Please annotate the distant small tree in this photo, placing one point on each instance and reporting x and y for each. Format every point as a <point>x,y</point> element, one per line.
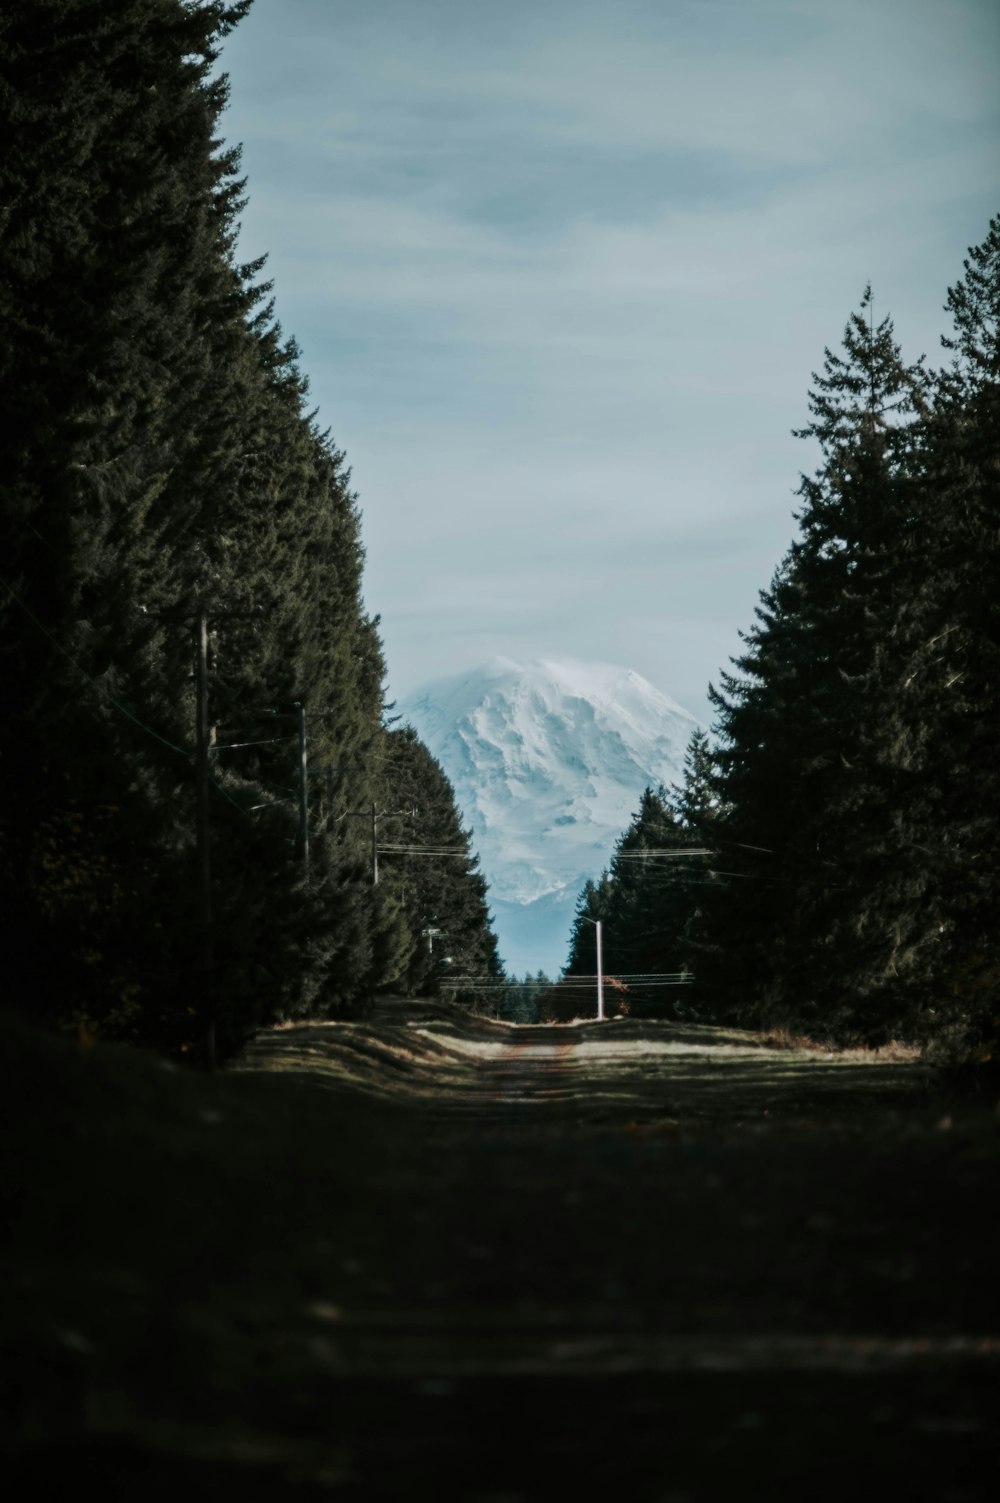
<point>431,868</point>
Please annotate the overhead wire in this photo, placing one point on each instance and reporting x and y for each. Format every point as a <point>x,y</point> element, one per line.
<point>424,850</point>
<point>236,745</point>
<point>662,855</point>
<point>101,688</point>
<point>639,856</point>
<point>656,978</point>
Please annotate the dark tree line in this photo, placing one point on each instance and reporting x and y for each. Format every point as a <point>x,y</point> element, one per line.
<point>650,900</point>
<point>160,457</point>
<point>428,861</point>
<point>854,884</point>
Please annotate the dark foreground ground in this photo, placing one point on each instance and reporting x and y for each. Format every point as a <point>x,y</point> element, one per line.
<point>430,1256</point>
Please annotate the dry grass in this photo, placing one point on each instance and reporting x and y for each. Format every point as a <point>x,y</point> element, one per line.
<point>898,1051</point>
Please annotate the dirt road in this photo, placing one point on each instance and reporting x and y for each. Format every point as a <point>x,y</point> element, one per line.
<point>427,1255</point>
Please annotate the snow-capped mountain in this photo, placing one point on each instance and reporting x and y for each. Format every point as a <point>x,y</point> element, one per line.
<point>548,760</point>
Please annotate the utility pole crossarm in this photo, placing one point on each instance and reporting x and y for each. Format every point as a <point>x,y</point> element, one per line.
<point>374,814</point>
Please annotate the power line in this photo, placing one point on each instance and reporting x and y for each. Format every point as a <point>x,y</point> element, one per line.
<point>101,688</point>
<point>637,979</point>
<point>236,745</point>
<point>424,850</point>
<point>667,855</point>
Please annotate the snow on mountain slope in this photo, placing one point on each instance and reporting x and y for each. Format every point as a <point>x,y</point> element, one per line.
<point>548,760</point>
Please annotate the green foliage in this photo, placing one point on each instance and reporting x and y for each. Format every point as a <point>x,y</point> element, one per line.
<point>804,772</point>
<point>160,457</point>
<point>520,999</point>
<point>649,899</point>
<point>849,798</point>
<point>857,735</point>
<point>428,863</point>
<point>949,700</point>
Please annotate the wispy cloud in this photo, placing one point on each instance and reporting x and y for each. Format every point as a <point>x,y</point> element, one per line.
<point>560,271</point>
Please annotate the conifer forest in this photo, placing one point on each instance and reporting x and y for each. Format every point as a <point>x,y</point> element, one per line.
<point>304,1195</point>
<point>829,863</point>
<point>185,856</point>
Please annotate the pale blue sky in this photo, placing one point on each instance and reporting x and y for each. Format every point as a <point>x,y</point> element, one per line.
<point>560,271</point>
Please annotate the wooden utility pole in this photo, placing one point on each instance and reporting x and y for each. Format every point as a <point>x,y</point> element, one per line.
<point>600,975</point>
<point>325,771</point>
<point>300,715</point>
<point>374,845</point>
<point>202,743</point>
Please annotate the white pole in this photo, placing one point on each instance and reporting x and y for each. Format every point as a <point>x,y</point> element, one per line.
<point>600,976</point>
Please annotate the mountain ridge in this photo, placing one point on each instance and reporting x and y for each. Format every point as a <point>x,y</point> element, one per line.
<point>548,759</point>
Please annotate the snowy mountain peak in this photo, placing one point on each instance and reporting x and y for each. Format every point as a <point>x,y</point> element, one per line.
<point>548,759</point>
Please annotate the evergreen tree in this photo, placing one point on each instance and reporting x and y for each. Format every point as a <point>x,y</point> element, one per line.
<point>807,783</point>
<point>644,903</point>
<point>946,704</point>
<point>849,803</point>
<point>161,458</point>
<point>119,288</point>
<point>432,870</point>
<point>696,806</point>
<point>645,923</point>
<point>695,799</point>
<point>592,905</point>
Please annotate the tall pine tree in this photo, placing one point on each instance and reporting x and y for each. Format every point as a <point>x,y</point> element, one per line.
<point>945,701</point>
<point>162,459</point>
<point>806,783</point>
<point>430,866</point>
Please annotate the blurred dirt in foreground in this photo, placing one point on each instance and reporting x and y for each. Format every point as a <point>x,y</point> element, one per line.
<point>427,1253</point>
